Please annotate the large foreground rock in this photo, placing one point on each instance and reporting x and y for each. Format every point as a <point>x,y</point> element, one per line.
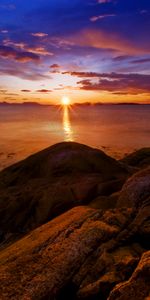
<point>52,181</point>
<point>78,255</point>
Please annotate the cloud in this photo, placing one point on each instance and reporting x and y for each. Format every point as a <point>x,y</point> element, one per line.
<point>39,34</point>
<point>3,92</point>
<point>23,73</point>
<point>141,61</point>
<point>40,51</point>
<point>96,18</point>
<point>26,91</point>
<point>100,39</point>
<point>114,82</point>
<point>21,56</point>
<point>81,74</point>
<point>105,1</point>
<point>121,57</point>
<point>21,45</point>
<point>43,91</point>
<point>54,66</point>
<point>3,31</point>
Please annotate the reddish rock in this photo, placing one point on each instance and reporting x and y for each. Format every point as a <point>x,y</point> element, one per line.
<point>135,190</point>
<point>138,286</point>
<point>52,181</point>
<point>41,264</point>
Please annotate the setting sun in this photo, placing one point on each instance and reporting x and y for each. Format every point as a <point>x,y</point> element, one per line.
<point>65,101</point>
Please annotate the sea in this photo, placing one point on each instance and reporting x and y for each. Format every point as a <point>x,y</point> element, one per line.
<point>116,129</point>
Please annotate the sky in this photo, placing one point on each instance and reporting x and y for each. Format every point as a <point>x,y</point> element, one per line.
<point>87,50</point>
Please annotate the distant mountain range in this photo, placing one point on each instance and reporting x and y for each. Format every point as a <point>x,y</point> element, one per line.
<point>74,104</point>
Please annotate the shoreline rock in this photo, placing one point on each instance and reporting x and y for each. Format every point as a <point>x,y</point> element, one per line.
<point>91,252</point>
<point>50,182</point>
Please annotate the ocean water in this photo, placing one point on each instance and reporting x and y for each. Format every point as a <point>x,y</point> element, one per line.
<point>116,129</point>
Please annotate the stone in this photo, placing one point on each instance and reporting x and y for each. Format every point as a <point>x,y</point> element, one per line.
<point>138,286</point>
<point>135,190</point>
<point>50,182</point>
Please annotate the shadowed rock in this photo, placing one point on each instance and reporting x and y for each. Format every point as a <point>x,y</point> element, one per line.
<point>135,190</point>
<point>50,182</point>
<point>138,286</point>
<point>139,158</point>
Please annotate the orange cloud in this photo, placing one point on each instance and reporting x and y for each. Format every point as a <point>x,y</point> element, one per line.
<point>104,40</point>
<point>25,47</point>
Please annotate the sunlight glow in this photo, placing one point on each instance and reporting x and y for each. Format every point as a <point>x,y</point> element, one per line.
<point>65,101</point>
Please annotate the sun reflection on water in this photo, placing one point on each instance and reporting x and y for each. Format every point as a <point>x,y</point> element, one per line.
<point>67,124</point>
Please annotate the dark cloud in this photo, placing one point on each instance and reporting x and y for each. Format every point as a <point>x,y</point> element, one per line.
<point>54,66</point>
<point>26,91</point>
<point>43,91</point>
<point>141,61</point>
<point>122,57</point>
<point>115,82</point>
<point>20,56</point>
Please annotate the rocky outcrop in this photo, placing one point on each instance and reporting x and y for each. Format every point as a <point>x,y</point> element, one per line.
<point>52,181</point>
<point>98,251</point>
<point>78,255</point>
<point>138,286</point>
<point>136,195</point>
<point>139,158</point>
<point>135,190</point>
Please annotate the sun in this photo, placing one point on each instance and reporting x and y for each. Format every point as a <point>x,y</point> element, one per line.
<point>65,101</point>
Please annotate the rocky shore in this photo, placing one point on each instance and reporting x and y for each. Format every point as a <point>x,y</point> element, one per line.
<point>75,224</point>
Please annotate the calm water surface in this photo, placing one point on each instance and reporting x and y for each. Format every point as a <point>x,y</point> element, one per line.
<point>115,129</point>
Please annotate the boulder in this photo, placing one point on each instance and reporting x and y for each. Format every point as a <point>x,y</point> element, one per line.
<point>135,190</point>
<point>52,181</point>
<point>139,158</point>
